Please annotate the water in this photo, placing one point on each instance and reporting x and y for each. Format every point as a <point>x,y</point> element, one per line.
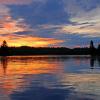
<point>49,78</point>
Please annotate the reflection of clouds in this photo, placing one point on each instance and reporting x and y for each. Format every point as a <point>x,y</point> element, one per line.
<point>4,64</point>
<point>86,83</point>
<point>19,70</point>
<point>30,65</point>
<point>47,73</point>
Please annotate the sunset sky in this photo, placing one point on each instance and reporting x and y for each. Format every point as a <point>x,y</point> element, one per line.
<point>44,23</point>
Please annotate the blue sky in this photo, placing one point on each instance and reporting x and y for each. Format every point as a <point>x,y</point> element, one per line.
<point>68,23</point>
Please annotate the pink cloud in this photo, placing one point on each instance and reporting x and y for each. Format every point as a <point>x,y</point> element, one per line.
<point>19,2</point>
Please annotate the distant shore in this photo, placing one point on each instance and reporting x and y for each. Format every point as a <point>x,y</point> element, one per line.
<point>5,50</point>
<point>43,51</point>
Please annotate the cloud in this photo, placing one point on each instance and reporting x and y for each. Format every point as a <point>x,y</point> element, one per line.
<point>17,2</point>
<point>75,8</point>
<point>8,25</point>
<point>84,30</point>
<point>24,40</point>
<point>89,16</point>
<point>20,2</point>
<point>72,21</point>
<point>84,17</point>
<point>4,11</point>
<point>11,26</point>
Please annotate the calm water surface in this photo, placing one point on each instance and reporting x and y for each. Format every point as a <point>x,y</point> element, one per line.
<point>49,78</point>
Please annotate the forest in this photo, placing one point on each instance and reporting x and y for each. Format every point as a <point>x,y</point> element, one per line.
<point>5,50</point>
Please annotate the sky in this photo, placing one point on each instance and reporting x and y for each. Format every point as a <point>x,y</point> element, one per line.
<point>46,23</point>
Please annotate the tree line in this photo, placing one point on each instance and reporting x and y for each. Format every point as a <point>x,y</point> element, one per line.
<point>5,50</point>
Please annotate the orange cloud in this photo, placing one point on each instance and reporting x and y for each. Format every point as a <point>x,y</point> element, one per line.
<point>9,25</point>
<point>10,28</point>
<point>23,40</point>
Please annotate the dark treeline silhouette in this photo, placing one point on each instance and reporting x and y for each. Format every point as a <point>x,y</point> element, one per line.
<point>94,51</point>
<point>25,50</point>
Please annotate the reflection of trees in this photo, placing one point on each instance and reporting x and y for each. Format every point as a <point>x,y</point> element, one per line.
<point>40,59</point>
<point>93,60</point>
<point>30,65</point>
<point>98,61</point>
<point>4,63</point>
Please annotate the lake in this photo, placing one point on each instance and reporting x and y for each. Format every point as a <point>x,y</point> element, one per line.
<point>49,78</point>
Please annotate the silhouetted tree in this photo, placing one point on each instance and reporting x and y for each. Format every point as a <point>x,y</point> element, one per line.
<point>98,49</point>
<point>4,48</point>
<point>4,44</point>
<point>92,48</point>
<point>91,44</point>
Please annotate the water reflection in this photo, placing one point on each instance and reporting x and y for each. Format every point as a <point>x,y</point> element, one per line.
<point>29,65</point>
<point>93,60</point>
<point>43,64</point>
<point>14,71</point>
<point>49,78</point>
<point>4,63</point>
